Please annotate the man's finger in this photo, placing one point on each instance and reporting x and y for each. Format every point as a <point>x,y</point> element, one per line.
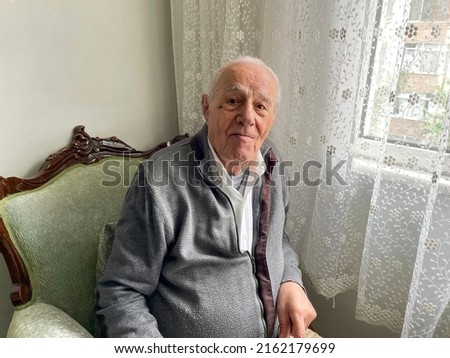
<point>298,328</point>
<point>285,331</point>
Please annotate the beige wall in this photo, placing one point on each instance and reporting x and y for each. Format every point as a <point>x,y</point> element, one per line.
<point>106,64</point>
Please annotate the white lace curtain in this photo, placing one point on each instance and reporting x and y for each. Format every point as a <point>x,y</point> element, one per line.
<point>364,107</point>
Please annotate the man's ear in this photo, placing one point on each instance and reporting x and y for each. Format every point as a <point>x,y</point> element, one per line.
<point>205,106</point>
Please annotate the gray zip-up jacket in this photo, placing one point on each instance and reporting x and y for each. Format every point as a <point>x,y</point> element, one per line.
<point>176,270</point>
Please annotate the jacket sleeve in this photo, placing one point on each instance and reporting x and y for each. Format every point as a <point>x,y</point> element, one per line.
<point>291,270</point>
<point>132,272</point>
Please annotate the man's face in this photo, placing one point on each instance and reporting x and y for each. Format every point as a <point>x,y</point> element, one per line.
<point>241,112</point>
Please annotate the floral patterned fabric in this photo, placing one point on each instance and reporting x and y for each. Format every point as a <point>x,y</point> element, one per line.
<point>363,124</point>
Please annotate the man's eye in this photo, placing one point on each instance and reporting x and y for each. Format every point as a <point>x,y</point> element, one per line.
<point>232,101</point>
<point>261,107</point>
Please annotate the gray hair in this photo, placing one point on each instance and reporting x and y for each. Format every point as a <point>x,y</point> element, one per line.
<point>248,60</point>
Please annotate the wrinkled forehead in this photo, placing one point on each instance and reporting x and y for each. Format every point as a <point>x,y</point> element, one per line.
<point>260,92</point>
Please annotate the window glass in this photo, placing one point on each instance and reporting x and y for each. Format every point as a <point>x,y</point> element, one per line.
<point>420,86</point>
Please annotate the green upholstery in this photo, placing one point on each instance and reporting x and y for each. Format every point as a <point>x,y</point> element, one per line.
<point>56,229</point>
<point>41,320</point>
<point>104,248</point>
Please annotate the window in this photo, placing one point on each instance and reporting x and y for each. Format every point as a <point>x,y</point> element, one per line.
<point>428,10</point>
<point>419,89</point>
<point>412,106</point>
<point>422,58</point>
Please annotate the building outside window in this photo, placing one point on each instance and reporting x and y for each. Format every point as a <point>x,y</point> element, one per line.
<point>420,91</point>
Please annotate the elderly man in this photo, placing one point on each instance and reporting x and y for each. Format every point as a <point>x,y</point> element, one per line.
<point>200,249</point>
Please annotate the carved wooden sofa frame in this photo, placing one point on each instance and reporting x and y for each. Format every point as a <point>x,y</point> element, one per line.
<point>85,150</point>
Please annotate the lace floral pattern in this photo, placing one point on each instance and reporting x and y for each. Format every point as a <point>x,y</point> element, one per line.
<point>379,224</point>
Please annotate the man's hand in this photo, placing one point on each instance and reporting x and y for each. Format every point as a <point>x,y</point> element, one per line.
<point>295,312</point>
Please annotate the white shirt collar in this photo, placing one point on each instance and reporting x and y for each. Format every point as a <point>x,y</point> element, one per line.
<point>259,169</point>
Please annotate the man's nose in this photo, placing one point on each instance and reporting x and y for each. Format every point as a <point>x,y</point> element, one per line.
<point>247,115</point>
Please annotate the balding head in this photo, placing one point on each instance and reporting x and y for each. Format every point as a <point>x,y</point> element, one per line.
<point>245,60</point>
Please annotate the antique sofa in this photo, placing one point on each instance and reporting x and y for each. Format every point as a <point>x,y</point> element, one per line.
<point>54,233</point>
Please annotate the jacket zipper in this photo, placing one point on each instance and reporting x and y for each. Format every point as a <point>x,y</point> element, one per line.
<point>252,260</point>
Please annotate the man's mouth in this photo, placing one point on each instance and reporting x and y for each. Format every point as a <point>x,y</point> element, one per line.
<point>242,136</point>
